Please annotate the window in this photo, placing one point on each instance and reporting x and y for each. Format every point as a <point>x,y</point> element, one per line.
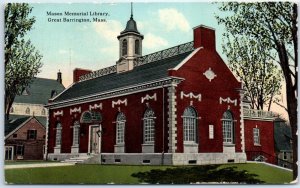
<point>43,112</point>
<point>124,47</point>
<point>284,155</point>
<point>137,47</point>
<point>15,135</point>
<point>76,128</point>
<point>58,135</point>
<point>189,124</point>
<point>256,137</point>
<point>149,126</point>
<point>227,122</point>
<point>120,128</point>
<point>31,134</point>
<point>20,150</point>
<point>27,111</point>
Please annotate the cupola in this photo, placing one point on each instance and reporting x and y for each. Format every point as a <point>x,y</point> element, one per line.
<point>130,45</point>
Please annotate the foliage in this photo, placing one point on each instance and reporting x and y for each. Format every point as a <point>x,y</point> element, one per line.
<point>187,175</point>
<point>22,60</point>
<point>249,60</point>
<point>274,26</point>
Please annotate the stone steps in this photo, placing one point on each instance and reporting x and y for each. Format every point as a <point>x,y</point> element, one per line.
<point>78,159</point>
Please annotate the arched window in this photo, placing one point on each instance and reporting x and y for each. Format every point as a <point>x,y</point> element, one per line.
<point>137,47</point>
<point>58,135</point>
<point>43,112</point>
<point>76,128</point>
<point>149,126</point>
<point>227,123</point>
<point>190,124</point>
<point>124,47</point>
<point>27,111</point>
<point>91,117</point>
<point>120,131</point>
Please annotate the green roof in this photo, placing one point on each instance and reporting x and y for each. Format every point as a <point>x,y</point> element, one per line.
<point>39,91</point>
<point>140,74</point>
<point>16,120</point>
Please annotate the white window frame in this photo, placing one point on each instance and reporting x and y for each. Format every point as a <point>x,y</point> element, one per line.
<point>76,129</point>
<point>227,129</point>
<point>256,136</point>
<point>149,127</point>
<point>58,135</point>
<point>189,126</point>
<point>120,129</point>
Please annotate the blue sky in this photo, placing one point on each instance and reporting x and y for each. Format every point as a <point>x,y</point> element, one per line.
<point>92,45</point>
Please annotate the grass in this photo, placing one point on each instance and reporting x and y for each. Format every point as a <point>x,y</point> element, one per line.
<point>119,174</point>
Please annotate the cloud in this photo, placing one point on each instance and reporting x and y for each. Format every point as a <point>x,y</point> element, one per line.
<point>152,41</point>
<point>172,19</point>
<point>108,30</point>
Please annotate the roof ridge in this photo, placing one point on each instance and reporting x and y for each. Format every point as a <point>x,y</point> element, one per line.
<point>149,58</point>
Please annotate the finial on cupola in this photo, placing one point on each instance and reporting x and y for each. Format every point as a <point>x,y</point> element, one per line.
<point>131,16</point>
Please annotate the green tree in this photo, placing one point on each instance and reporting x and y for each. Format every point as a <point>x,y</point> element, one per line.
<point>251,63</point>
<point>274,25</point>
<point>22,61</point>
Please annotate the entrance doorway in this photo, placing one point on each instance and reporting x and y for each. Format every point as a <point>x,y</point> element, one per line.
<point>95,139</point>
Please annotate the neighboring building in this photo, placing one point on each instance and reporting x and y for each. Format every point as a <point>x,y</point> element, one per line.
<point>178,106</point>
<point>283,143</point>
<point>24,139</point>
<point>36,95</point>
<point>25,130</point>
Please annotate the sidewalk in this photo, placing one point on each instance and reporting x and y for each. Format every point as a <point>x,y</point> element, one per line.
<point>36,165</point>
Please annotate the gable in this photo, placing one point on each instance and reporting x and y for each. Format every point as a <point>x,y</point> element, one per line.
<point>208,67</point>
<point>18,126</point>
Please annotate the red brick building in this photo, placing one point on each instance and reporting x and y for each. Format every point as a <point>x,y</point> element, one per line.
<point>24,139</point>
<point>178,106</point>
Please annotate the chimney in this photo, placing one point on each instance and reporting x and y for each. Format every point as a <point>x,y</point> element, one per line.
<point>204,37</point>
<point>77,72</point>
<point>59,79</point>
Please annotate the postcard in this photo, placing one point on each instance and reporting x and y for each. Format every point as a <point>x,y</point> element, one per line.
<point>150,93</point>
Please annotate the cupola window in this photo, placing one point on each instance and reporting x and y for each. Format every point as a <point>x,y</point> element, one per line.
<point>124,47</point>
<point>137,47</point>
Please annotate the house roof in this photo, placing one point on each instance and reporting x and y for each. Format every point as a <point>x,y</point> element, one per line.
<point>140,74</point>
<point>39,91</point>
<point>12,124</point>
<point>282,136</point>
<point>17,120</point>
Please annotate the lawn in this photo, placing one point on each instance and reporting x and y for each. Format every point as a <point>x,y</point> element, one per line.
<point>105,174</point>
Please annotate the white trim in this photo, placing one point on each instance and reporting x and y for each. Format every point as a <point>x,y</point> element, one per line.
<point>118,102</point>
<point>186,59</point>
<point>58,113</point>
<point>190,95</point>
<point>73,101</point>
<point>95,106</point>
<point>148,97</point>
<point>228,100</point>
<point>74,110</point>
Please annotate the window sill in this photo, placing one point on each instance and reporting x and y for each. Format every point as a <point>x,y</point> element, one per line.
<point>228,145</point>
<point>148,144</point>
<point>257,145</point>
<point>190,144</point>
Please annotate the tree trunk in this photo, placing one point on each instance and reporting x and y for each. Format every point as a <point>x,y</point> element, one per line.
<point>291,103</point>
